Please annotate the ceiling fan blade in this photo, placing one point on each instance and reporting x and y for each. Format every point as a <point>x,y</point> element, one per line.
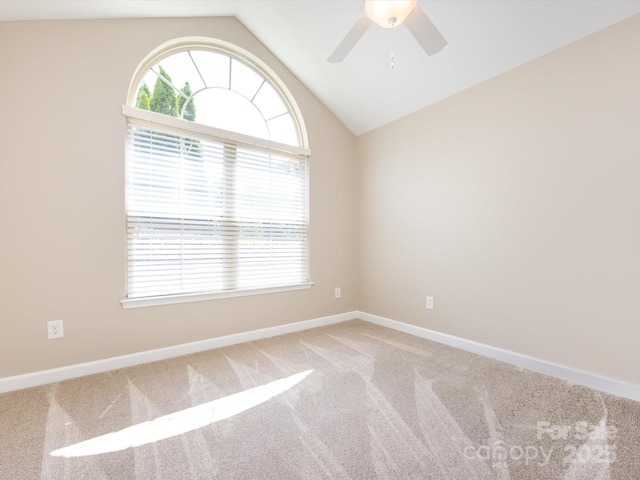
<point>424,31</point>
<point>350,40</point>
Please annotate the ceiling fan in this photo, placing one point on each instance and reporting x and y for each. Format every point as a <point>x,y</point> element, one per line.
<point>390,14</point>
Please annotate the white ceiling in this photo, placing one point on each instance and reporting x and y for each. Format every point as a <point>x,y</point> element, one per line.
<point>486,38</point>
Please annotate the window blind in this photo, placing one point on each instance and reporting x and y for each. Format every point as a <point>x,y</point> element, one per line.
<point>207,214</point>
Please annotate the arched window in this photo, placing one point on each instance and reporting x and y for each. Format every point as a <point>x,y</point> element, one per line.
<point>217,177</point>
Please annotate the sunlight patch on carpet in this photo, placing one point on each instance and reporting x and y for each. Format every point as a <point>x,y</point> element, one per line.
<point>181,422</point>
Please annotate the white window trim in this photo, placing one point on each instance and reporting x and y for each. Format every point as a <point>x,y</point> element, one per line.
<point>128,303</point>
<point>186,127</point>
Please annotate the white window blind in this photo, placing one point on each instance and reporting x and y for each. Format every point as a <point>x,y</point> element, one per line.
<point>209,214</point>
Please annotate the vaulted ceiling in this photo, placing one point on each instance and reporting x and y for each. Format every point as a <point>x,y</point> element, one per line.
<point>485,38</point>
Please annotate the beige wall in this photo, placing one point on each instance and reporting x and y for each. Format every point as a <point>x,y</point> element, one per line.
<point>62,248</point>
<point>516,205</point>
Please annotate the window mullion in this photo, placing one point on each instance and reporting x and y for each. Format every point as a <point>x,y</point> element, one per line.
<point>231,237</point>
<point>181,196</point>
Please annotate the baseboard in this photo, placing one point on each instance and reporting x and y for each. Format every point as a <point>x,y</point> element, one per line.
<point>604,384</point>
<point>35,379</point>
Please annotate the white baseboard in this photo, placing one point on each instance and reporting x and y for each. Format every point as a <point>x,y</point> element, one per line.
<point>608,385</point>
<point>604,384</point>
<point>35,379</point>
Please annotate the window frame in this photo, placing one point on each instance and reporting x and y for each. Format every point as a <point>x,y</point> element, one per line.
<point>134,115</point>
<point>220,46</point>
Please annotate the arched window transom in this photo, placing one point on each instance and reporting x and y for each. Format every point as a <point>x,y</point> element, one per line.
<point>218,90</point>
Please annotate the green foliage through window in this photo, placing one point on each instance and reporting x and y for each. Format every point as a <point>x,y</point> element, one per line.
<point>165,100</point>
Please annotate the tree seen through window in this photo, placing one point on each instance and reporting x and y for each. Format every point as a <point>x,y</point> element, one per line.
<point>164,98</point>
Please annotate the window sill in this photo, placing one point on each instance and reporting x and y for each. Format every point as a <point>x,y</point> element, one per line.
<point>199,297</point>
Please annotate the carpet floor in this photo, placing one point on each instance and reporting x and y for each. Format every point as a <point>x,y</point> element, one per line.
<point>346,401</point>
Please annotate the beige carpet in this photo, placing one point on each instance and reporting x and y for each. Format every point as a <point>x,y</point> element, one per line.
<point>352,400</point>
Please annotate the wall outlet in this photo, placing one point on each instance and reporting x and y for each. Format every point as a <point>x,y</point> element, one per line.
<point>430,303</point>
<point>338,292</point>
<point>55,329</point>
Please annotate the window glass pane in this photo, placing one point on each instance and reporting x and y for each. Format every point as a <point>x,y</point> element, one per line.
<point>174,175</point>
<point>181,69</point>
<point>149,80</point>
<point>175,198</point>
<point>230,111</point>
<point>283,130</point>
<point>269,102</point>
<point>214,68</point>
<point>244,80</point>
<point>272,215</point>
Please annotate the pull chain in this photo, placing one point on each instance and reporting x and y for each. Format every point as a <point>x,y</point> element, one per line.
<point>392,62</point>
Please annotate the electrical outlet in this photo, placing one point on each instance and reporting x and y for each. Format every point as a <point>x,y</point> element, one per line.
<point>55,329</point>
<point>430,303</point>
<point>338,292</point>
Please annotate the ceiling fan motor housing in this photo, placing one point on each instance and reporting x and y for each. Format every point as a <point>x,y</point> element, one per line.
<point>389,13</point>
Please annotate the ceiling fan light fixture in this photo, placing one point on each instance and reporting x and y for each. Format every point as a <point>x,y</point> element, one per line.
<point>389,13</point>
